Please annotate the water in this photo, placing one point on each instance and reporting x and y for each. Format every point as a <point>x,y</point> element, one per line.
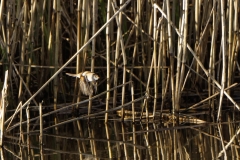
<point>189,136</point>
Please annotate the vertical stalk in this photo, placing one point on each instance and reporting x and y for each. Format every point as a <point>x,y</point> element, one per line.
<point>221,138</point>
<point>171,53</point>
<point>223,40</point>
<point>94,19</point>
<point>156,134</point>
<point>79,35</point>
<point>30,40</point>
<point>124,141</point>
<point>21,133</point>
<point>108,141</point>
<point>43,28</point>
<point>147,143</point>
<point>117,51</point>
<point>41,132</point>
<point>134,141</point>
<point>3,108</point>
<point>86,19</point>
<point>119,23</point>
<point>162,62</point>
<point>80,132</point>
<point>28,136</point>
<point>135,49</point>
<point>133,122</point>
<point>92,141</point>
<point>230,45</point>
<point>149,28</point>
<point>117,135</point>
<point>179,58</point>
<point>235,39</point>
<point>197,35</point>
<point>81,62</point>
<point>86,38</point>
<point>24,38</point>
<point>78,127</point>
<point>140,24</point>
<point>115,82</point>
<point>56,58</point>
<point>211,89</point>
<point>108,59</point>
<point>1,20</point>
<point>94,149</point>
<point>155,58</point>
<point>182,75</point>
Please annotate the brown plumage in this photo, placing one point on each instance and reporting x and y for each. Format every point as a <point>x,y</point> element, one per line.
<point>88,82</point>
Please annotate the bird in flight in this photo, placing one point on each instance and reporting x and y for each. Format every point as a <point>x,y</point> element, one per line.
<point>88,82</point>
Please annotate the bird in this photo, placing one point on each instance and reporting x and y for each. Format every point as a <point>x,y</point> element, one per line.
<point>88,82</point>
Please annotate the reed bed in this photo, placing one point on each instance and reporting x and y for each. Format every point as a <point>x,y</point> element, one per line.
<point>168,85</point>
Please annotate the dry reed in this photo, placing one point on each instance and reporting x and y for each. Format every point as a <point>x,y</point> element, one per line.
<point>154,58</point>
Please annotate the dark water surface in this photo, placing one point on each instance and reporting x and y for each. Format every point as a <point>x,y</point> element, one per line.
<point>193,135</point>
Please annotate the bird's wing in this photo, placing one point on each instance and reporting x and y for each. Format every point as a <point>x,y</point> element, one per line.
<point>94,84</point>
<point>85,87</point>
<point>75,75</point>
<point>86,73</point>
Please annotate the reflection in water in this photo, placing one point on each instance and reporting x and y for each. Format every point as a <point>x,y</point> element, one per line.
<point>168,137</point>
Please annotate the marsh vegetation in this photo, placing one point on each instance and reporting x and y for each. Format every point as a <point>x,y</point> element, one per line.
<point>167,87</point>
